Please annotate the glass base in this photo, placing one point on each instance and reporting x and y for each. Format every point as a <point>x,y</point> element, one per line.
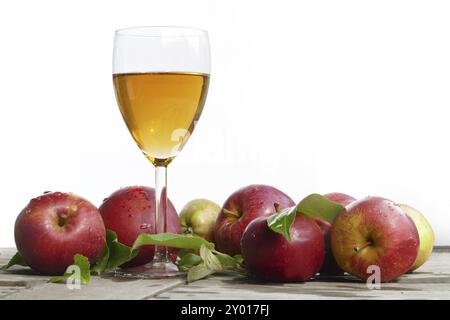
<point>152,270</point>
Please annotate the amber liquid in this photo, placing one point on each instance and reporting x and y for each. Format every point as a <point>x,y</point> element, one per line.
<point>161,110</point>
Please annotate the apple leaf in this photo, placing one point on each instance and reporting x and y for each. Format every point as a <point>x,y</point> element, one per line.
<point>208,262</point>
<point>172,240</point>
<point>211,261</point>
<point>281,222</point>
<point>188,260</point>
<point>80,268</point>
<point>238,258</point>
<point>118,252</point>
<point>229,261</point>
<point>102,261</point>
<point>113,255</point>
<point>16,260</point>
<point>314,205</point>
<point>198,272</point>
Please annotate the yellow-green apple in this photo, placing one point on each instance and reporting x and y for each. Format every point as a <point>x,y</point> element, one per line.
<point>426,235</point>
<point>341,198</point>
<point>243,206</point>
<point>374,231</point>
<point>270,257</point>
<point>129,212</point>
<point>198,217</point>
<point>54,227</point>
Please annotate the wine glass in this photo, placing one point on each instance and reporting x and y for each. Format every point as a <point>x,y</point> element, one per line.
<point>161,77</point>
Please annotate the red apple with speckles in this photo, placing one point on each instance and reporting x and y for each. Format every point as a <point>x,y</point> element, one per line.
<point>54,227</point>
<point>129,212</point>
<point>270,257</point>
<point>374,231</point>
<point>341,198</point>
<point>243,206</point>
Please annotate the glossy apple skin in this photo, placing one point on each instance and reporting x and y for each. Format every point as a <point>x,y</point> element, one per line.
<point>198,217</point>
<point>426,235</point>
<point>129,212</point>
<point>329,266</point>
<point>341,198</point>
<point>270,257</point>
<point>374,231</point>
<point>242,207</point>
<point>54,227</point>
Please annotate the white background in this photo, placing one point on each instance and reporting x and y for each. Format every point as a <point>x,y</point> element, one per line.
<point>313,96</point>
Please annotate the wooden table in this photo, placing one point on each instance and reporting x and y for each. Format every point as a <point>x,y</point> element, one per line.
<point>431,282</point>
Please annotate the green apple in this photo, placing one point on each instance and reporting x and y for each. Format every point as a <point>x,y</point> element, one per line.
<point>426,235</point>
<point>198,217</point>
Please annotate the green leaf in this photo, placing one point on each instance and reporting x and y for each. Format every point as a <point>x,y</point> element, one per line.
<point>198,272</point>
<point>173,240</point>
<point>238,258</point>
<point>210,260</point>
<point>83,265</point>
<point>188,260</point>
<point>314,205</point>
<point>118,252</point>
<point>113,255</point>
<point>229,262</point>
<point>102,261</point>
<point>15,260</point>
<point>281,221</point>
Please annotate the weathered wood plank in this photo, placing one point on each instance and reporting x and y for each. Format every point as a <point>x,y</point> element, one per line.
<point>98,288</point>
<point>432,281</point>
<point>22,284</point>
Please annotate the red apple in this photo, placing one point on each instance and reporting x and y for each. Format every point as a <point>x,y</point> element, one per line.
<point>243,206</point>
<point>129,212</point>
<point>54,227</point>
<point>329,266</point>
<point>374,231</point>
<point>269,256</point>
<point>341,198</point>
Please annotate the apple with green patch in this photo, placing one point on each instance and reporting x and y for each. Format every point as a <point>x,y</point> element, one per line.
<point>375,231</point>
<point>198,217</point>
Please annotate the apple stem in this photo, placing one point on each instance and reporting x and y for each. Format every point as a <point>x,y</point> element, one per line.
<point>368,243</point>
<point>229,212</point>
<point>277,207</point>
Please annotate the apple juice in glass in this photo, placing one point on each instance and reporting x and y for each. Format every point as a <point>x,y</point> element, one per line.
<point>161,77</point>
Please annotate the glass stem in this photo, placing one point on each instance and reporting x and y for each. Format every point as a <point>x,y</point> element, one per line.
<point>161,253</point>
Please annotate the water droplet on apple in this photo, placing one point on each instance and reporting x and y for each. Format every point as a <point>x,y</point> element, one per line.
<point>144,226</point>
